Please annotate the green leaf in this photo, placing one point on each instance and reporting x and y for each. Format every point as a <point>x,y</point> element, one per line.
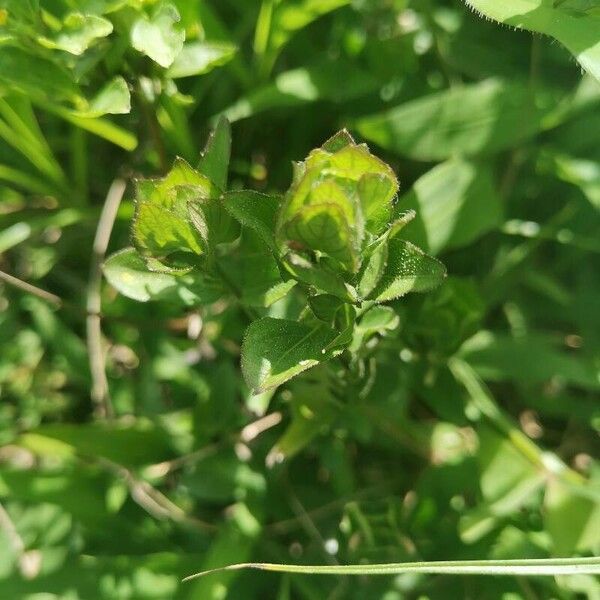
<point>98,126</point>
<point>214,162</point>
<point>585,174</point>
<point>320,276</point>
<point>338,141</point>
<point>377,184</point>
<point>254,272</point>
<point>508,481</point>
<point>77,33</point>
<point>325,307</point>
<point>224,478</point>
<point>114,98</point>
<point>290,17</point>
<point>339,81</point>
<point>532,359</point>
<point>314,409</point>
<point>479,118</point>
<point>235,540</point>
<point>159,230</point>
<point>330,197</point>
<point>573,23</point>
<point>256,211</point>
<point>127,272</point>
<point>139,444</point>
<point>325,228</point>
<point>378,318</point>
<point>35,76</point>
<point>571,519</point>
<point>408,269</point>
<point>178,213</point>
<point>198,58</point>
<point>373,267</point>
<point>275,350</point>
<point>376,192</point>
<point>279,21</point>
<point>159,37</point>
<point>531,567</point>
<point>214,224</point>
<point>456,203</point>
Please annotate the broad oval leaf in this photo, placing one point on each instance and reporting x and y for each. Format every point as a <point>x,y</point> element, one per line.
<point>574,23</point>
<point>159,37</point>
<point>164,223</point>
<point>275,350</point>
<point>127,272</point>
<point>480,118</point>
<point>325,228</point>
<point>455,203</point>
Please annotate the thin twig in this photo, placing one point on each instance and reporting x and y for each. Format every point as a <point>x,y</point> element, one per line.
<point>154,502</point>
<point>31,289</point>
<point>246,435</point>
<point>254,429</point>
<point>287,525</point>
<point>100,393</point>
<point>79,311</point>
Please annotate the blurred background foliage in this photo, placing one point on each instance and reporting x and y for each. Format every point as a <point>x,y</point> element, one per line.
<point>477,436</point>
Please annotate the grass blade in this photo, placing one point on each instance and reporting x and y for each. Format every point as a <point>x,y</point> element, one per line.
<point>530,567</point>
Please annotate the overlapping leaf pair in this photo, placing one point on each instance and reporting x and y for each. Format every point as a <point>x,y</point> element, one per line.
<point>333,236</point>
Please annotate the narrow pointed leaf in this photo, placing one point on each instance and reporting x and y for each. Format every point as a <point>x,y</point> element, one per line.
<point>214,162</point>
<point>528,567</point>
<point>408,269</point>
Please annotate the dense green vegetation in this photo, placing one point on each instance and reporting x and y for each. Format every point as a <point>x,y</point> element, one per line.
<point>231,332</point>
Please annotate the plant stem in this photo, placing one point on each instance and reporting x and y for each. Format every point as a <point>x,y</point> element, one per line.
<point>100,393</point>
<point>31,289</point>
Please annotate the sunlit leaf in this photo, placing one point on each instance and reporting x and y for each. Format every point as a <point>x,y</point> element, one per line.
<point>127,272</point>
<point>455,203</point>
<point>480,118</point>
<point>408,269</point>
<point>114,98</point>
<point>198,58</point>
<point>159,36</point>
<point>275,350</point>
<point>77,33</point>
<point>574,23</point>
<point>256,211</point>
